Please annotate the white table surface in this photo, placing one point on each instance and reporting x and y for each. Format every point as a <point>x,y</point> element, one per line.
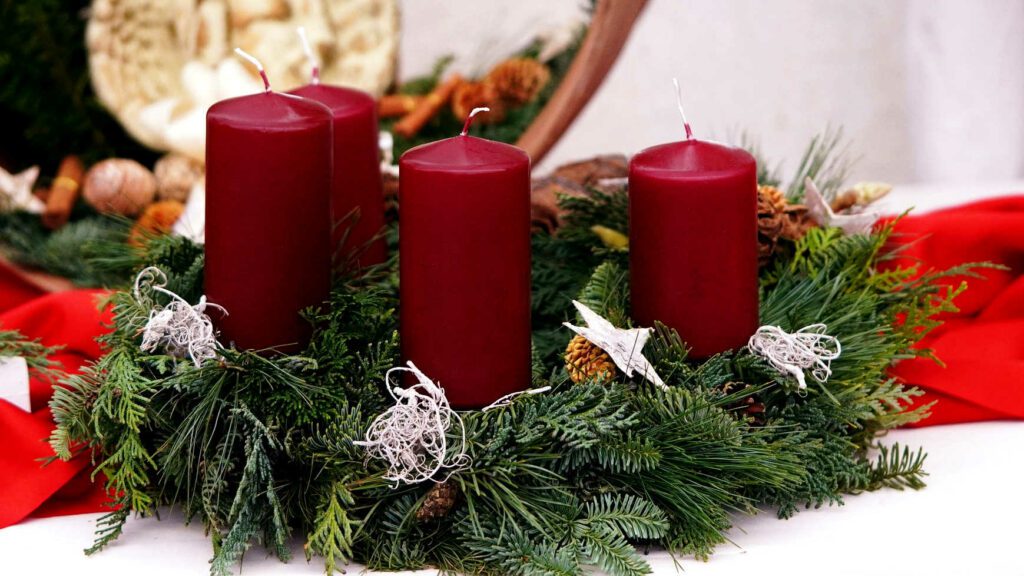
<point>968,521</point>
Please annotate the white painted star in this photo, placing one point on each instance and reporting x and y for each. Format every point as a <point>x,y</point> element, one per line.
<point>822,214</point>
<point>624,346</point>
<point>16,191</point>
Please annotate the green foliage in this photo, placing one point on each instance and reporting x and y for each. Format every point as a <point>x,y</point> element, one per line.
<point>564,265</point>
<point>36,355</point>
<point>334,532</point>
<point>261,447</point>
<point>68,251</point>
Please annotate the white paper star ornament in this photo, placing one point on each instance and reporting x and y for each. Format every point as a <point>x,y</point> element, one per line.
<point>16,191</point>
<point>624,346</point>
<point>822,214</point>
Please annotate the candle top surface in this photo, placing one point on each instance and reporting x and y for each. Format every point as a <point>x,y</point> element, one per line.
<point>692,157</point>
<point>465,154</point>
<point>341,100</point>
<point>270,111</point>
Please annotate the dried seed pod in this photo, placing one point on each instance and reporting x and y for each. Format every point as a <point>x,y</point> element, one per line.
<point>470,95</point>
<point>519,80</point>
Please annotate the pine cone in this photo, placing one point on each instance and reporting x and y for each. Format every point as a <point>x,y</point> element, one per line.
<point>796,222</point>
<point>750,405</point>
<point>470,95</point>
<point>770,221</point>
<point>438,502</point>
<point>584,360</point>
<point>519,80</point>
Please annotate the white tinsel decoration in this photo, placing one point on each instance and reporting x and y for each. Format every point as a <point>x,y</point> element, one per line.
<point>182,329</point>
<point>792,353</point>
<point>412,435</point>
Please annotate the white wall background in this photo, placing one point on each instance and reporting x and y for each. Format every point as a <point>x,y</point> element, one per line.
<point>926,90</point>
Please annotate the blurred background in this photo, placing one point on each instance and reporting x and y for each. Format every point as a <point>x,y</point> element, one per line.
<point>925,90</point>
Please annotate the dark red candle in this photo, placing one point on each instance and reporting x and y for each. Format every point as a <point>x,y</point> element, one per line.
<point>693,242</point>
<point>464,246</point>
<point>357,194</point>
<point>268,185</point>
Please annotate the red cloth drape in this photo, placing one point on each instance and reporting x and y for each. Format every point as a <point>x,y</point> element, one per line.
<point>982,346</point>
<point>71,319</point>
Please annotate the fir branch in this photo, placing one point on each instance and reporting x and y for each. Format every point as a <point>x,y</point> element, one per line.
<point>607,293</point>
<point>897,469</point>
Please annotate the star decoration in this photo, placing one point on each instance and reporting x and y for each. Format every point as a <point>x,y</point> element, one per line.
<point>16,191</point>
<point>624,346</point>
<point>822,214</point>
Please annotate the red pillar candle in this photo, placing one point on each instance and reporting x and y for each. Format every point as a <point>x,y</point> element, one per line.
<point>693,242</point>
<point>268,183</point>
<point>464,245</point>
<point>357,193</point>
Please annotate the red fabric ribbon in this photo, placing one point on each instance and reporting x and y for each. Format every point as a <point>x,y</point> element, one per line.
<point>71,319</point>
<point>982,346</point>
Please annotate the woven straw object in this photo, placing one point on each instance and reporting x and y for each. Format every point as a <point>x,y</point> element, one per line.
<point>157,65</point>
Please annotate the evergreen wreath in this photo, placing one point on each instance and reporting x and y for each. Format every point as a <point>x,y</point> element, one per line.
<point>261,447</point>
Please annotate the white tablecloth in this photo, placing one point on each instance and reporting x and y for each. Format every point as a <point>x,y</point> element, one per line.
<point>968,521</point>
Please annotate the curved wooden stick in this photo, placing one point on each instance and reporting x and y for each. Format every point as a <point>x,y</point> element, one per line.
<point>609,28</point>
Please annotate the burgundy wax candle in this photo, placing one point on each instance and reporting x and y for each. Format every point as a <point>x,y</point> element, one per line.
<point>357,193</point>
<point>268,185</point>
<point>464,245</point>
<point>693,242</point>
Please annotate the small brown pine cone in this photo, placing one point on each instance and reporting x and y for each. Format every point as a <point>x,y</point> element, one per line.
<point>776,197</point>
<point>750,406</point>
<point>519,80</point>
<point>584,360</point>
<point>438,502</point>
<point>470,95</point>
<point>796,222</point>
<point>770,221</point>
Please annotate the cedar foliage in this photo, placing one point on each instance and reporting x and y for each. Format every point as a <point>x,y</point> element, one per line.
<point>260,448</point>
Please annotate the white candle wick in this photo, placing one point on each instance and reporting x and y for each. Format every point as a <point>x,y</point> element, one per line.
<point>313,63</point>
<point>682,113</point>
<point>469,119</point>
<point>252,60</point>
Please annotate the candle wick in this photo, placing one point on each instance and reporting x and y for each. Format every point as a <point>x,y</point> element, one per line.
<point>313,64</point>
<point>252,60</point>
<point>469,119</point>
<point>682,113</point>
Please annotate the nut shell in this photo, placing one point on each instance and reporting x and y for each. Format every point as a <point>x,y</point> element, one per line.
<point>175,176</point>
<point>119,186</point>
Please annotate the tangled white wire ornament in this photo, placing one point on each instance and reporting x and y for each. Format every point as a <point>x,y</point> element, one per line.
<point>181,328</point>
<point>412,435</point>
<point>808,347</point>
